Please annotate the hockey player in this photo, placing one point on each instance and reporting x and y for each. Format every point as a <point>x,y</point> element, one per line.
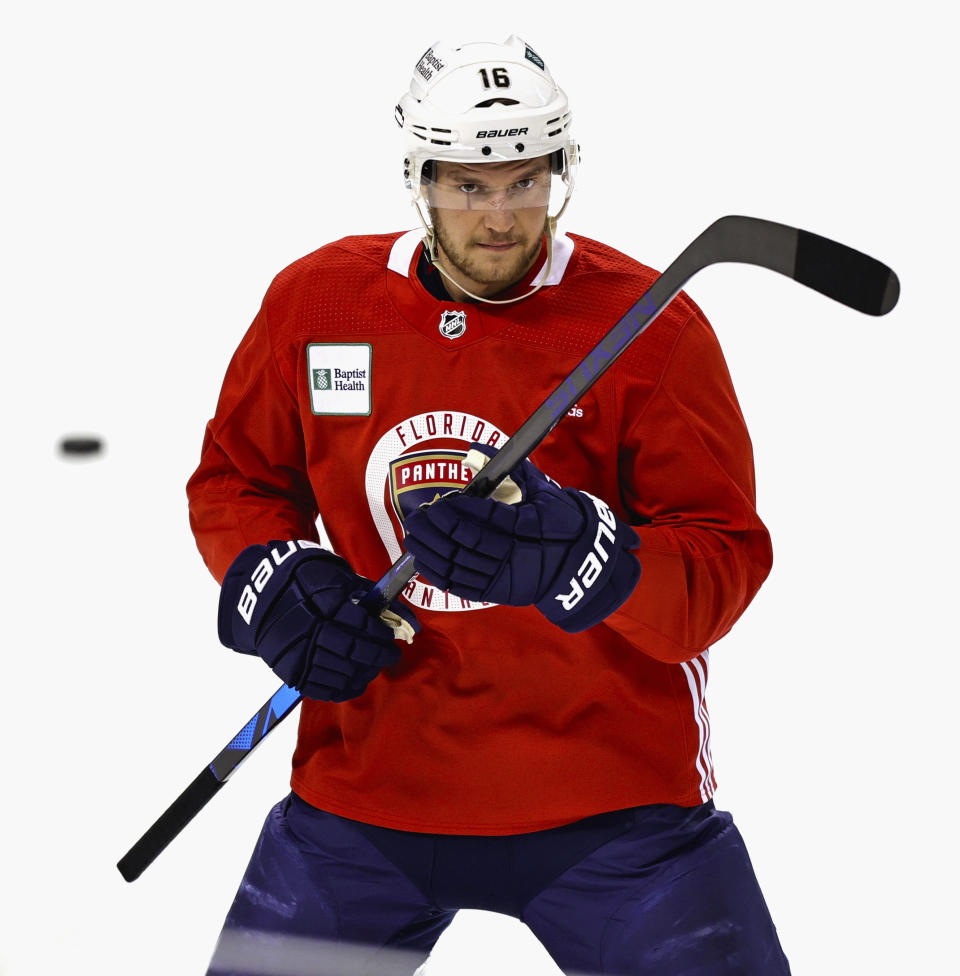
<point>541,747</point>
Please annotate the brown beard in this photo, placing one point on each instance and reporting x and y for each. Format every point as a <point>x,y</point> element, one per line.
<point>505,276</point>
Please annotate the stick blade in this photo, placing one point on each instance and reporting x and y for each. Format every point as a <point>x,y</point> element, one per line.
<point>845,275</point>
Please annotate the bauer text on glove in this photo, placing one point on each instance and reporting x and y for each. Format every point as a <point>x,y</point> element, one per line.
<point>296,605</point>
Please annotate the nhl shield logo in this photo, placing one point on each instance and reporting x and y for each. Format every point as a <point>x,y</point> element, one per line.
<point>453,324</point>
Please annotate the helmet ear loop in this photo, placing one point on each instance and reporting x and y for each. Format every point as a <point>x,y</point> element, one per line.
<point>553,221</point>
<point>567,175</point>
<point>429,237</point>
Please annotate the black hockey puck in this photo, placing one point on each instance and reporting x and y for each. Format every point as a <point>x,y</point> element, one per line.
<point>81,445</point>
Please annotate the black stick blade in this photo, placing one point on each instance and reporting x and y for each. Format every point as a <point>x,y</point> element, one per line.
<point>183,809</point>
<point>845,275</point>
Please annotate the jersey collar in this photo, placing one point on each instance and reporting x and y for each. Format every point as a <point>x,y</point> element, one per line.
<point>453,325</point>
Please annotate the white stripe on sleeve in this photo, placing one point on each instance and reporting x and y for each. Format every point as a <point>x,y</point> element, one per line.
<point>696,672</point>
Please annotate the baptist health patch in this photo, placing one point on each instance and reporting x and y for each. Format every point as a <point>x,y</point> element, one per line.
<point>339,377</point>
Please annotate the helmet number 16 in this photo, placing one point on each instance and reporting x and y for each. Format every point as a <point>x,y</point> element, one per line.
<point>500,77</point>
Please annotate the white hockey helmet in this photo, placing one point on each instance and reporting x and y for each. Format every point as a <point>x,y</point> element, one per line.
<point>484,103</point>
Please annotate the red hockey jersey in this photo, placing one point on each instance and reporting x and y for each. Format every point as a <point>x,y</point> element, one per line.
<point>355,394</point>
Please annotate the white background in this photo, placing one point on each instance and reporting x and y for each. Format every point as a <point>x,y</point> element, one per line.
<point>163,161</point>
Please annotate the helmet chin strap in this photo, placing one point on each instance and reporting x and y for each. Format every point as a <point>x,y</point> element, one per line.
<point>430,241</point>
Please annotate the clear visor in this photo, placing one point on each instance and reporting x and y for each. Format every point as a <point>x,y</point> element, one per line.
<point>494,186</point>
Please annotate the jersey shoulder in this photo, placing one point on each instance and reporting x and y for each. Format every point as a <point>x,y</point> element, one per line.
<point>356,253</point>
<point>330,286</point>
<point>597,258</point>
<point>599,286</point>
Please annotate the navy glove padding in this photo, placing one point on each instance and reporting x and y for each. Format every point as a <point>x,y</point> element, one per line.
<point>293,603</point>
<point>560,549</point>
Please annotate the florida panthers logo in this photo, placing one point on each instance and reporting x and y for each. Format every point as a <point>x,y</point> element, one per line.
<point>413,463</point>
<point>421,477</point>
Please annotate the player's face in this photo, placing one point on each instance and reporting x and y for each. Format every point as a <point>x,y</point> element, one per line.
<point>489,219</point>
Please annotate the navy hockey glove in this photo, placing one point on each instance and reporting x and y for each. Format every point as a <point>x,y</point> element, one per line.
<point>560,549</point>
<point>294,604</point>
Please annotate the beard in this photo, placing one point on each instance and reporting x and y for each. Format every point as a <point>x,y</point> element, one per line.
<point>503,273</point>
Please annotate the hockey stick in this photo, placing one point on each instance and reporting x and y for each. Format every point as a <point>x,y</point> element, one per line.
<point>834,270</point>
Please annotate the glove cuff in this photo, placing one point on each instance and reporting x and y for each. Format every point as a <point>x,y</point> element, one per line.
<point>599,573</point>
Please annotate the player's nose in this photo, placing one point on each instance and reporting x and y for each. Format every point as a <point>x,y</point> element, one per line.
<point>499,219</point>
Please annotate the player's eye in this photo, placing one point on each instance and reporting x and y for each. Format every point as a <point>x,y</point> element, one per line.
<point>528,183</point>
<point>468,187</point>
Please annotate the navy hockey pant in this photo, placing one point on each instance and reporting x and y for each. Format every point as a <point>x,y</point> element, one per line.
<point>655,890</point>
